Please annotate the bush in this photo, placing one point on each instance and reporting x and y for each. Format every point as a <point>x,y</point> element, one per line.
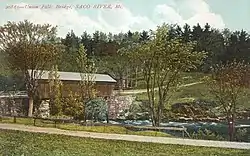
<point>137,111</point>
<point>206,135</point>
<point>240,134</point>
<point>73,106</point>
<point>96,109</point>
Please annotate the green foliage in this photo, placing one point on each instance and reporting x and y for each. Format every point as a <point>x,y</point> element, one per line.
<point>196,91</point>
<point>241,134</point>
<point>87,68</point>
<point>163,61</point>
<point>221,46</point>
<point>98,129</point>
<point>23,49</point>
<point>55,145</point>
<point>77,127</point>
<point>68,58</point>
<point>118,69</point>
<point>137,111</point>
<point>27,46</point>
<point>226,84</point>
<point>195,109</point>
<point>82,60</point>
<point>96,109</point>
<point>73,106</point>
<point>55,92</point>
<point>39,53</point>
<point>185,78</point>
<point>4,68</point>
<point>151,133</point>
<point>206,135</point>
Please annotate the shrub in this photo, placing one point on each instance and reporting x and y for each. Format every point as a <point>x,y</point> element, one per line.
<point>73,106</point>
<point>240,134</point>
<point>96,109</point>
<point>206,135</point>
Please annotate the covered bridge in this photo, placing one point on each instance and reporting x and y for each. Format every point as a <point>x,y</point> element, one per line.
<point>104,84</point>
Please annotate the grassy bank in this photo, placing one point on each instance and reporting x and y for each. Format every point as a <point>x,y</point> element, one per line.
<point>76,127</point>
<point>36,144</point>
<point>186,78</point>
<point>198,91</point>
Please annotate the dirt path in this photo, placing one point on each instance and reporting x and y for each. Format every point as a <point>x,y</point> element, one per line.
<point>162,140</point>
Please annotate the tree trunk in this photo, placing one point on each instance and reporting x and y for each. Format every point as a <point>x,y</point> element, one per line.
<point>127,82</point>
<point>108,109</point>
<point>107,117</point>
<point>120,84</point>
<point>157,124</point>
<point>155,120</point>
<point>231,130</point>
<point>85,113</point>
<point>159,116</point>
<point>31,105</point>
<point>123,83</point>
<point>136,71</point>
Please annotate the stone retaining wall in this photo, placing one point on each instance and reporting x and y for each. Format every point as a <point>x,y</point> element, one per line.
<point>118,104</point>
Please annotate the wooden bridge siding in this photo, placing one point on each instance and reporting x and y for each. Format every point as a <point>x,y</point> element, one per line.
<point>104,89</point>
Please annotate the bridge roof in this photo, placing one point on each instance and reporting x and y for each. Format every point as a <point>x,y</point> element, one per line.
<point>73,76</point>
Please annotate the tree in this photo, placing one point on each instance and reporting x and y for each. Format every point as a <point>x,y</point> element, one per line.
<point>73,106</point>
<point>186,35</point>
<point>96,109</point>
<point>197,32</point>
<point>71,43</point>
<point>226,84</point>
<point>96,43</point>
<point>87,69</point>
<point>237,47</point>
<point>212,42</point>
<point>86,40</point>
<point>144,36</point>
<point>29,48</point>
<point>162,61</point>
<point>129,35</point>
<point>4,70</point>
<point>174,31</point>
<point>117,66</point>
<point>55,91</point>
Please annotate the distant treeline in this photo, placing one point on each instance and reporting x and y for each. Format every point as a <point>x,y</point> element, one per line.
<point>221,46</point>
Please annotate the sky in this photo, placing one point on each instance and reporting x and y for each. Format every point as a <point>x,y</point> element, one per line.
<point>124,15</point>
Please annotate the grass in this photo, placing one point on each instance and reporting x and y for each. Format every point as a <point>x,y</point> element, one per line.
<point>200,91</point>
<point>187,77</point>
<point>194,92</point>
<point>17,143</point>
<point>188,93</point>
<point>77,127</point>
<point>151,133</point>
<point>197,91</point>
<point>185,94</point>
